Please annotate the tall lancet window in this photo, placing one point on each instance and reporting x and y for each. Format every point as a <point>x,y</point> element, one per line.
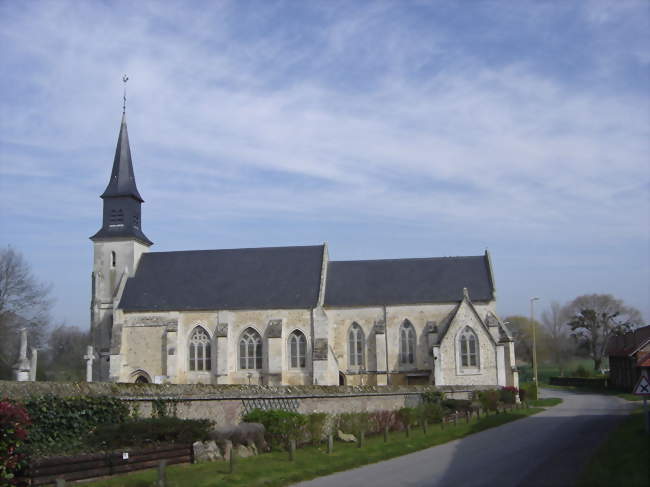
<point>297,350</point>
<point>250,350</point>
<point>407,343</point>
<point>356,345</point>
<point>468,348</point>
<point>200,358</point>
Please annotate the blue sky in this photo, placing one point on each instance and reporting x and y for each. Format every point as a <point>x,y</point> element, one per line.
<point>387,129</point>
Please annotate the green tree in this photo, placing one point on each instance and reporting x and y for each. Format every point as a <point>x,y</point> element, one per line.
<point>595,318</point>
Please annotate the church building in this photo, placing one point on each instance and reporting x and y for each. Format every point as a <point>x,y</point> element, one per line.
<point>285,315</point>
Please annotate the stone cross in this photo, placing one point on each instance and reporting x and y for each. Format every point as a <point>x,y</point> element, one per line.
<point>89,357</point>
<point>21,369</point>
<point>34,363</point>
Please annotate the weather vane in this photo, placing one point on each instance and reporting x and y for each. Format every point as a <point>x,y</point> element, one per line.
<point>125,78</point>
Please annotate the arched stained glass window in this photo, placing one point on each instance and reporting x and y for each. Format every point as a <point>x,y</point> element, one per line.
<point>250,350</point>
<point>468,348</point>
<point>356,345</point>
<point>297,350</point>
<point>407,343</point>
<point>200,351</point>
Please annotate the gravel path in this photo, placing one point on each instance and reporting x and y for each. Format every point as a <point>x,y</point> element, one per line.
<point>547,449</point>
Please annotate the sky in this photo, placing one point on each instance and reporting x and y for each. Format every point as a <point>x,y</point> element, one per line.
<point>387,129</point>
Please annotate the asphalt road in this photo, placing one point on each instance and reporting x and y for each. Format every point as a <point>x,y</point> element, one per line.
<point>547,449</point>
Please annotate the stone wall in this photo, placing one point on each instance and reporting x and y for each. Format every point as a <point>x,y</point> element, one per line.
<point>225,404</point>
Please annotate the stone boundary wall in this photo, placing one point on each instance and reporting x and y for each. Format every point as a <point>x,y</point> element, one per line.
<point>225,404</point>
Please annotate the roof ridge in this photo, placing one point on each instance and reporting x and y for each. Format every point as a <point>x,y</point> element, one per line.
<point>409,258</point>
<point>234,249</point>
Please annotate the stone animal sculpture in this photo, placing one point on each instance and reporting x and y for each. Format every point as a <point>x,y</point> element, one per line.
<point>247,434</point>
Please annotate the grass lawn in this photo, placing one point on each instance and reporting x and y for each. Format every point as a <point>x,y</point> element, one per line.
<point>623,459</point>
<point>275,469</point>
<point>545,403</point>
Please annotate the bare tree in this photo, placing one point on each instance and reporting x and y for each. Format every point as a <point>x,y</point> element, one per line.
<point>561,344</point>
<point>522,333</point>
<point>594,318</point>
<point>24,302</point>
<point>63,358</point>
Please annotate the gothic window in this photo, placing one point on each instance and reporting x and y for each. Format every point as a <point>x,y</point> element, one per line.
<point>250,350</point>
<point>113,259</point>
<point>297,350</point>
<point>200,357</point>
<point>407,343</point>
<point>356,345</point>
<point>468,349</point>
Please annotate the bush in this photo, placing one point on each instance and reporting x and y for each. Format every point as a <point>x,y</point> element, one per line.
<point>408,416</point>
<point>528,392</point>
<point>434,397</point>
<point>281,426</point>
<point>461,405</point>
<point>508,395</point>
<point>61,424</point>
<point>316,423</point>
<point>581,371</point>
<point>379,420</point>
<point>139,432</point>
<point>354,423</point>
<point>489,399</point>
<point>430,412</point>
<point>14,423</point>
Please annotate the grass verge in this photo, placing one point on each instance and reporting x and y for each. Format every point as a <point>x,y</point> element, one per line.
<point>545,403</point>
<point>275,469</point>
<point>623,458</point>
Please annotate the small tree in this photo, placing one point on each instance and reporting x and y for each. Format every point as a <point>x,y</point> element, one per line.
<point>596,317</point>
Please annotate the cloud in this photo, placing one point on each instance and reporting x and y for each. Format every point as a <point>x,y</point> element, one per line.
<point>419,115</point>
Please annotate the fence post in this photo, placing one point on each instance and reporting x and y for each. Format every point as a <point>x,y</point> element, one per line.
<point>292,450</point>
<point>330,444</point>
<point>386,434</point>
<point>424,426</point>
<point>362,437</point>
<point>408,430</point>
<point>232,460</point>
<point>162,475</point>
<point>467,417</point>
<point>60,482</point>
<point>455,419</point>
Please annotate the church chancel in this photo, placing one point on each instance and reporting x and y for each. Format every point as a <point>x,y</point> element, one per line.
<point>284,315</point>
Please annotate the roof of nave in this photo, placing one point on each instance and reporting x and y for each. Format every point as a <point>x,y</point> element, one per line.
<point>408,281</point>
<point>290,277</point>
<point>256,278</point>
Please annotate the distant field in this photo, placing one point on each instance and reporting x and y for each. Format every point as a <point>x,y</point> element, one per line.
<point>546,371</point>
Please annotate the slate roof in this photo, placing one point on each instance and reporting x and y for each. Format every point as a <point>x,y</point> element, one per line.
<point>122,182</point>
<point>257,278</point>
<point>408,281</point>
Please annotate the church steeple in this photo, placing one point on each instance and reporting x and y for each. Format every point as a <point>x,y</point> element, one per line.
<point>122,182</point>
<point>122,199</point>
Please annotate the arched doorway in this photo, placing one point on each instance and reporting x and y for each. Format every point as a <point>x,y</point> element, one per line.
<point>341,379</point>
<point>142,380</point>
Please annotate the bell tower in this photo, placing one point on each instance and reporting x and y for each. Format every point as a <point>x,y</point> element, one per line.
<point>117,248</point>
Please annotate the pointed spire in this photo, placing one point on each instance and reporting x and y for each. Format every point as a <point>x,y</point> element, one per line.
<point>122,182</point>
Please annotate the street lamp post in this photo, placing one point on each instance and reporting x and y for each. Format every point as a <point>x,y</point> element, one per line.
<point>532,323</point>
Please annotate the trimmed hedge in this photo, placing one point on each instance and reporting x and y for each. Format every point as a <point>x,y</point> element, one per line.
<point>61,424</point>
<point>591,382</point>
<point>141,432</point>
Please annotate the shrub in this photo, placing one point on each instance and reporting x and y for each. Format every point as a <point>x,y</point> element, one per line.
<point>434,397</point>
<point>408,416</point>
<point>508,395</point>
<point>528,392</point>
<point>430,412</point>
<point>316,423</point>
<point>462,405</point>
<point>379,420</point>
<point>14,423</point>
<point>138,432</point>
<point>523,395</point>
<point>281,426</point>
<point>354,422</point>
<point>489,399</point>
<point>581,371</point>
<point>61,424</point>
